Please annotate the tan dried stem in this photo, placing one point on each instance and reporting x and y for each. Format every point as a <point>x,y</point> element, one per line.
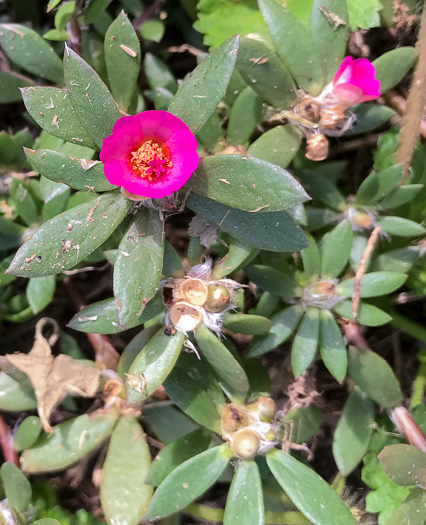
<point>415,104</point>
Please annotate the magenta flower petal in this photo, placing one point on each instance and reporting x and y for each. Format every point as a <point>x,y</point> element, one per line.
<point>354,81</point>
<point>349,94</point>
<point>151,154</point>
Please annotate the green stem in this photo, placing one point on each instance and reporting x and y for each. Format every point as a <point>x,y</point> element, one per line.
<point>420,381</point>
<point>407,326</point>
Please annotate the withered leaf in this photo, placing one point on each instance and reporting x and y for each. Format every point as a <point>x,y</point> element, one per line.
<point>53,378</point>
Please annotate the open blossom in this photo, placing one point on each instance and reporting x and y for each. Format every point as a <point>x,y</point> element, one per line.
<point>354,81</point>
<point>151,154</point>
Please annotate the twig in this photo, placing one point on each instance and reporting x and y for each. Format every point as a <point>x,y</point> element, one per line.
<point>361,270</point>
<point>355,144</point>
<point>415,104</point>
<point>405,423</point>
<point>147,14</point>
<point>74,31</point>
<point>399,104</point>
<point>6,444</point>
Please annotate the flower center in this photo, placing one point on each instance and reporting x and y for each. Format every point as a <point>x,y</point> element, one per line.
<point>150,161</point>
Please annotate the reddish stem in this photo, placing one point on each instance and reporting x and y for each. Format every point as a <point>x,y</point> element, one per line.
<point>6,444</point>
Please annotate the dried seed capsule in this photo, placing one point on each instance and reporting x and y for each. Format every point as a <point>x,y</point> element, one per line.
<point>233,417</point>
<point>168,294</point>
<point>218,298</point>
<point>309,109</point>
<point>194,291</point>
<point>265,407</point>
<point>185,317</point>
<point>245,443</point>
<point>316,147</point>
<point>361,219</point>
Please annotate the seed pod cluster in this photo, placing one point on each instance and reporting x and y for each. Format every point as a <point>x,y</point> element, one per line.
<point>321,294</point>
<point>249,429</point>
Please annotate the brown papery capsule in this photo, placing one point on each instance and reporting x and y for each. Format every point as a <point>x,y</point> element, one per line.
<point>317,147</point>
<point>185,317</point>
<point>333,118</point>
<point>323,288</point>
<point>218,298</point>
<point>265,408</point>
<point>232,418</point>
<point>233,150</point>
<point>168,295</point>
<point>309,109</point>
<point>194,291</point>
<point>245,443</point>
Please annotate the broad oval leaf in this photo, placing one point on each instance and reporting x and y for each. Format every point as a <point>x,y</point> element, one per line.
<point>265,73</point>
<point>302,423</point>
<point>373,284</point>
<point>153,364</point>
<point>70,237</point>
<point>374,376</point>
<point>411,510</point>
<point>17,40</point>
<point>244,116</point>
<point>353,431</point>
<point>378,185</point>
<point>246,183</point>
<point>51,108</point>
<point>275,231</point>
<point>89,97</point>
<point>336,250</point>
<point>248,324</point>
<point>80,174</point>
<point>69,442</point>
<point>368,117</point>
<point>140,255</point>
<point>278,145</point>
<point>272,280</point>
<point>124,494</point>
<point>244,503</point>
<point>199,94</point>
<point>305,342</point>
<point>400,196</point>
<point>367,315</point>
<point>188,481</point>
<point>122,59</point>
<point>133,348</point>
<point>308,491</point>
<point>332,346</point>
<point>220,359</point>
<point>16,486</point>
<point>40,291</point>
<point>404,464</point>
<point>9,87</point>
<point>239,254</point>
<point>391,67</point>
<point>15,397</point>
<point>27,433</point>
<point>400,227</point>
<point>311,259</point>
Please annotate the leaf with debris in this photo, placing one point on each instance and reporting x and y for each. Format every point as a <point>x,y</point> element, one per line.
<point>53,378</point>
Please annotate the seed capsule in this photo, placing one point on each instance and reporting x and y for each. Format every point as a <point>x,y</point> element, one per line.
<point>309,109</point>
<point>245,443</point>
<point>316,147</point>
<point>218,298</point>
<point>265,407</point>
<point>233,418</point>
<point>194,291</point>
<point>185,317</point>
<point>361,219</point>
<point>333,118</point>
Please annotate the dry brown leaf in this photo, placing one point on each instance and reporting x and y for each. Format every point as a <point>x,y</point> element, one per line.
<point>53,378</point>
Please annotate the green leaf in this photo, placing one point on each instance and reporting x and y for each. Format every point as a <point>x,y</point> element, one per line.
<point>244,116</point>
<point>332,346</point>
<point>272,280</point>
<point>391,67</point>
<point>153,364</point>
<point>368,314</point>
<point>302,423</point>
<point>124,494</point>
<point>368,117</point>
<point>102,317</point>
<point>140,255</point>
<point>378,185</point>
<point>308,491</point>
<point>323,190</point>
<point>311,259</point>
<point>220,359</point>
<point>27,433</point>
<point>329,37</point>
<point>363,13</point>
<point>246,183</point>
<point>162,98</point>
<point>188,481</point>
<point>172,263</point>
<point>70,441</point>
<point>9,87</point>
<point>152,30</point>
<point>199,95</point>
<point>69,238</point>
<point>89,97</point>
<point>40,292</point>
<point>16,487</point>
<point>63,15</point>
<point>373,284</point>
<point>123,60</point>
<point>80,174</point>
<point>335,250</point>
<point>305,342</point>
<point>400,227</point>
<point>56,35</point>
<point>353,431</point>
<point>15,397</point>
<point>239,254</point>
<point>404,464</point>
<point>282,325</point>
<point>246,324</point>
<point>395,260</point>
<point>276,231</point>
<point>294,46</point>
<point>52,4</point>
<point>133,348</point>
<point>400,196</point>
<point>211,134</point>
<point>16,41</point>
<point>192,385</point>
<point>51,108</point>
<point>374,376</point>
<point>411,510</point>
<point>176,453</point>
<point>244,503</point>
<point>278,145</point>
<point>24,202</point>
<point>265,73</point>
<point>158,74</point>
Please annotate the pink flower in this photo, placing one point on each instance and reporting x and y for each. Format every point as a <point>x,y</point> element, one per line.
<point>151,154</point>
<point>354,81</point>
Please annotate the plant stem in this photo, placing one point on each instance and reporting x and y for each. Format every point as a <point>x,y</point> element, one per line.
<point>420,381</point>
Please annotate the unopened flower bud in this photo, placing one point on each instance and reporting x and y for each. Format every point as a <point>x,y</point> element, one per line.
<point>265,407</point>
<point>245,443</point>
<point>184,316</point>
<point>112,389</point>
<point>233,418</point>
<point>218,298</point>
<point>361,219</point>
<point>323,288</point>
<point>316,147</point>
<point>194,291</point>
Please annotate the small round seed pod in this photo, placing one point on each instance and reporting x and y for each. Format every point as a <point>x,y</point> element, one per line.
<point>333,119</point>
<point>265,408</point>
<point>232,418</point>
<point>218,298</point>
<point>184,316</point>
<point>194,291</point>
<point>309,109</point>
<point>245,443</point>
<point>317,147</point>
<point>361,219</point>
